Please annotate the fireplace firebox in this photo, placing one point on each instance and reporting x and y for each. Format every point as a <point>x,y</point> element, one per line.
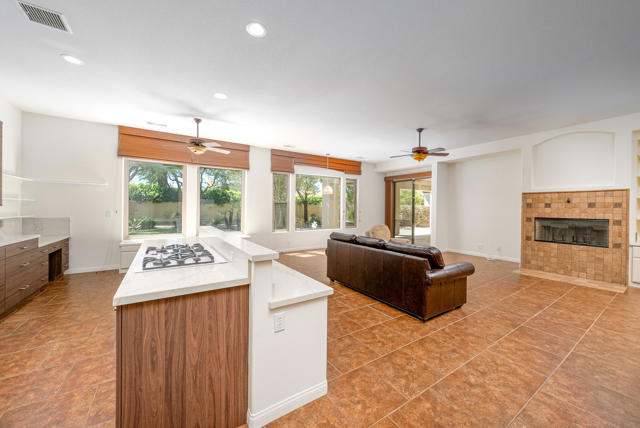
<point>574,231</point>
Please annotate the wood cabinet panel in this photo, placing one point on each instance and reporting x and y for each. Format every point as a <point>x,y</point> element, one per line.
<point>21,247</point>
<point>183,361</point>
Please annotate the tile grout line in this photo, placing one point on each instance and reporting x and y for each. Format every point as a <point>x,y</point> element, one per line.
<point>93,400</point>
<point>560,365</point>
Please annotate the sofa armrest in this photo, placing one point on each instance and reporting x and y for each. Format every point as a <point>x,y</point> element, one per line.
<point>400,240</point>
<point>449,272</point>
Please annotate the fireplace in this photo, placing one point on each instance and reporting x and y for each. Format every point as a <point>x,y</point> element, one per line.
<point>574,231</point>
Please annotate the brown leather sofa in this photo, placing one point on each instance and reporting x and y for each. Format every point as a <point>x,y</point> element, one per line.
<point>411,278</point>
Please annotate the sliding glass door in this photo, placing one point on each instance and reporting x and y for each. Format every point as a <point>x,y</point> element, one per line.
<point>412,210</point>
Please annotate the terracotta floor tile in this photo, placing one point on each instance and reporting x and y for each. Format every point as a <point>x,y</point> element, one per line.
<point>547,411</point>
<point>17,342</point>
<point>381,338</point>
<point>352,394</point>
<point>386,309</point>
<point>347,353</point>
<point>68,410</point>
<point>54,334</point>
<point>112,424</point>
<point>318,413</point>
<point>617,377</point>
<point>103,407</point>
<point>8,326</point>
<point>332,371</point>
<point>23,361</point>
<point>385,423</point>
<point>408,373</point>
<point>526,355</point>
<point>366,316</point>
<point>462,340</point>
<point>411,327</point>
<point>340,325</point>
<point>356,300</point>
<point>567,317</point>
<point>542,340</point>
<point>556,328</point>
<point>440,356</point>
<point>74,350</point>
<point>31,387</point>
<point>489,324</point>
<point>596,399</point>
<point>90,372</point>
<point>491,405</point>
<point>432,410</point>
<point>505,374</point>
<point>336,306</point>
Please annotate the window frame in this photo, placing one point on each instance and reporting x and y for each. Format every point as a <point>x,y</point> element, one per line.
<point>242,197</point>
<point>287,227</point>
<point>340,203</point>
<point>356,194</point>
<point>125,200</point>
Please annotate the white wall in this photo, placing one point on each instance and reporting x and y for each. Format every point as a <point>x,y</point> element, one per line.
<point>11,118</point>
<point>484,215</point>
<point>64,149</point>
<point>258,221</point>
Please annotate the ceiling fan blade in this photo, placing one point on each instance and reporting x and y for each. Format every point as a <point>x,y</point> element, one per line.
<point>212,144</point>
<point>214,149</point>
<point>398,156</point>
<point>439,149</point>
<point>438,154</point>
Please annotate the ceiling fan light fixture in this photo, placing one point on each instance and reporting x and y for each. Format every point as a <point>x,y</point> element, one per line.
<point>419,156</point>
<point>197,149</point>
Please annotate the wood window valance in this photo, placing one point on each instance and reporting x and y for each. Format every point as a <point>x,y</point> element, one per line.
<point>162,146</point>
<point>284,161</point>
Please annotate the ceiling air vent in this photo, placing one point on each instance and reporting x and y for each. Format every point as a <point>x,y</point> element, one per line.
<point>44,16</point>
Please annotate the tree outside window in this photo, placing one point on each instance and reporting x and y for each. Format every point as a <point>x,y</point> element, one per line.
<point>350,197</point>
<point>280,201</point>
<point>221,198</point>
<point>155,198</point>
<point>317,202</point>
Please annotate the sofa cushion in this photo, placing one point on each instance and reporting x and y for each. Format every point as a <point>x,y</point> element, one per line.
<point>344,237</point>
<point>370,242</point>
<point>430,253</point>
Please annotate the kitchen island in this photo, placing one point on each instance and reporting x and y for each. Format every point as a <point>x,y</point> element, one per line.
<point>198,345</point>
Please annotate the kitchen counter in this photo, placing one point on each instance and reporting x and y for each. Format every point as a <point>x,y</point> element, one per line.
<point>139,287</point>
<point>43,240</point>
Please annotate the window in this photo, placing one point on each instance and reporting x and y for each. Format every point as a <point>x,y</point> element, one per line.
<point>317,202</point>
<point>155,198</point>
<point>350,202</point>
<point>280,201</point>
<point>221,198</point>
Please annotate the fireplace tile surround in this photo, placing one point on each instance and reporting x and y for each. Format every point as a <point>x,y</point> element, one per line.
<point>606,264</point>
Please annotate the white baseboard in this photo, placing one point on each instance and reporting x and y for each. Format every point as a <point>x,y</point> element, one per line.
<point>281,408</point>
<point>92,269</point>
<point>485,255</point>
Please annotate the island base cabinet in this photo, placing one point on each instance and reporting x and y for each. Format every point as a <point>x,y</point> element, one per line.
<point>183,361</point>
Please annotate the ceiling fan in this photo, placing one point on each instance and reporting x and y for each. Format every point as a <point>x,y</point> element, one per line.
<point>420,153</point>
<point>199,145</point>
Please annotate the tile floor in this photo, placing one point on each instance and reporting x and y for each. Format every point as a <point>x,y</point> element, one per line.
<point>57,356</point>
<point>523,352</point>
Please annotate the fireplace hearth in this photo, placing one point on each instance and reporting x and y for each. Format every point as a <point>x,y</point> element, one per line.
<point>573,231</point>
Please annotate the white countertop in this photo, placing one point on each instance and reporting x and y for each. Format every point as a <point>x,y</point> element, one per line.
<point>163,283</point>
<point>291,286</point>
<point>43,240</point>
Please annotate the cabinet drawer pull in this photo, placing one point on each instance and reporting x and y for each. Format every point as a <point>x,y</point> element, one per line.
<point>25,264</point>
<point>44,278</point>
<point>24,247</point>
<point>45,251</point>
<point>44,263</point>
<point>25,287</point>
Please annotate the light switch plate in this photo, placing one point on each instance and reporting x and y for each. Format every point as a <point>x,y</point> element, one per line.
<point>278,322</point>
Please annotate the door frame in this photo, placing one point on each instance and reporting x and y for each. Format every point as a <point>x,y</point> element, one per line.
<point>388,193</point>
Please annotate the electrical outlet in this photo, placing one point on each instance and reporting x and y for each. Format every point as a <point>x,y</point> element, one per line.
<point>278,322</point>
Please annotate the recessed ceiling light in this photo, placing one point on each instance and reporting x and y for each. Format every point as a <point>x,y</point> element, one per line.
<point>289,146</point>
<point>72,59</point>
<point>256,29</point>
<point>220,96</point>
<point>164,125</point>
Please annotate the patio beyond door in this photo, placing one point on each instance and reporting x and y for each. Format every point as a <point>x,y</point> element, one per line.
<point>412,210</point>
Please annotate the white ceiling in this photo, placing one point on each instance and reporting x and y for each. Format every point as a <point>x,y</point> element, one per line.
<point>351,78</point>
